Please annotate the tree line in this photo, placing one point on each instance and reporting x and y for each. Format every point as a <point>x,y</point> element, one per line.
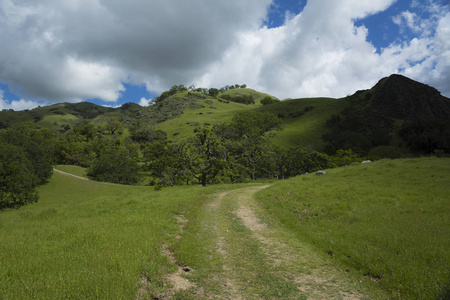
<point>232,152</point>
<point>213,92</point>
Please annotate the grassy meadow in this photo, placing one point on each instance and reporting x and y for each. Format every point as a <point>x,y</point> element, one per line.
<point>305,121</point>
<point>386,223</point>
<point>388,220</point>
<point>184,125</point>
<point>300,124</point>
<point>86,239</point>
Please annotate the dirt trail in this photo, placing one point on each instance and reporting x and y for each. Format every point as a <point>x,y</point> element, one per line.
<point>83,178</point>
<point>248,257</point>
<point>69,174</point>
<point>283,259</point>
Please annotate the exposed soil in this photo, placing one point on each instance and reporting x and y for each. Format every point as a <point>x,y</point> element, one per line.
<point>234,220</point>
<point>69,174</point>
<point>316,283</point>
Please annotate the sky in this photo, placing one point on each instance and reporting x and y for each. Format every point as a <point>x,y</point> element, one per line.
<point>112,51</point>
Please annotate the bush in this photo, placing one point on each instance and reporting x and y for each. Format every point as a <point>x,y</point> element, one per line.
<point>385,152</point>
<point>117,165</point>
<point>344,158</point>
<point>17,179</point>
<point>28,141</point>
<point>269,100</point>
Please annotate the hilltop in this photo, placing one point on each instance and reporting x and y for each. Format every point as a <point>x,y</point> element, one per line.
<point>397,112</point>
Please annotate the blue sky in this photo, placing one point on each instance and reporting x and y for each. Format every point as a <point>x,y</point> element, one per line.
<point>58,51</point>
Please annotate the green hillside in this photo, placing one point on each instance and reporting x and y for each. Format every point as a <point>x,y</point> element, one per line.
<point>87,239</point>
<point>210,110</point>
<point>304,120</point>
<point>247,92</point>
<point>56,116</point>
<point>409,117</point>
<point>388,220</point>
<point>181,113</point>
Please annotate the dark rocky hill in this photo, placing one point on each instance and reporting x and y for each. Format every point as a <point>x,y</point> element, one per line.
<point>397,112</point>
<point>399,97</point>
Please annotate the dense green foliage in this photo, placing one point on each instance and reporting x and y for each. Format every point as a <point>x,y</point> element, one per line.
<point>116,164</point>
<point>396,112</point>
<point>17,180</point>
<point>244,99</point>
<point>235,151</point>
<point>427,135</point>
<point>269,100</point>
<point>220,153</point>
<point>25,155</point>
<point>141,131</point>
<point>387,220</point>
<point>228,134</point>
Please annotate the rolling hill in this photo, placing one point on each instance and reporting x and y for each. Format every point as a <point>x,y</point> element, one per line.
<point>397,112</point>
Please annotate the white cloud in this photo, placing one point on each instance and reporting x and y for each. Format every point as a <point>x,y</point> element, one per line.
<point>17,104</point>
<point>320,52</point>
<point>82,49</point>
<point>145,102</point>
<point>435,61</point>
<point>410,20</point>
<point>317,53</point>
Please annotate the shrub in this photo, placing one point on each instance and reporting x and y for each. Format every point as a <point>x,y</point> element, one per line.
<point>344,158</point>
<point>269,100</point>
<point>17,179</point>
<point>385,152</point>
<point>117,165</point>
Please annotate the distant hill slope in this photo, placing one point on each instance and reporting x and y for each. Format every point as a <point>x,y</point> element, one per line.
<point>58,115</point>
<point>398,97</point>
<point>304,120</point>
<point>182,112</point>
<point>397,111</point>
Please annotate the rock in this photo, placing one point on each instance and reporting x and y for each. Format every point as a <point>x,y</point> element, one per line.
<point>366,162</point>
<point>321,173</point>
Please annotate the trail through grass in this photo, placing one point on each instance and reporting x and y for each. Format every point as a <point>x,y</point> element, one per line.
<point>86,239</point>
<point>235,254</point>
<point>388,220</point>
<point>376,231</point>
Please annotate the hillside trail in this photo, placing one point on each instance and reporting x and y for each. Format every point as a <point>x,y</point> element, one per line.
<point>83,178</point>
<point>70,174</point>
<point>255,259</point>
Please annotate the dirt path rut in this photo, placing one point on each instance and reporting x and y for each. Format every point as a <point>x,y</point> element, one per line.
<point>263,261</point>
<point>250,257</point>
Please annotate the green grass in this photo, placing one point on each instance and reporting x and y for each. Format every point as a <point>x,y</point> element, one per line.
<point>184,125</point>
<point>388,220</point>
<point>257,96</point>
<point>55,122</point>
<point>268,264</point>
<point>88,239</point>
<point>197,248</point>
<point>76,170</point>
<point>307,129</point>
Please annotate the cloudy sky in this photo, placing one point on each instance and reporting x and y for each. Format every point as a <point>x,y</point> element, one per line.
<point>114,51</point>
